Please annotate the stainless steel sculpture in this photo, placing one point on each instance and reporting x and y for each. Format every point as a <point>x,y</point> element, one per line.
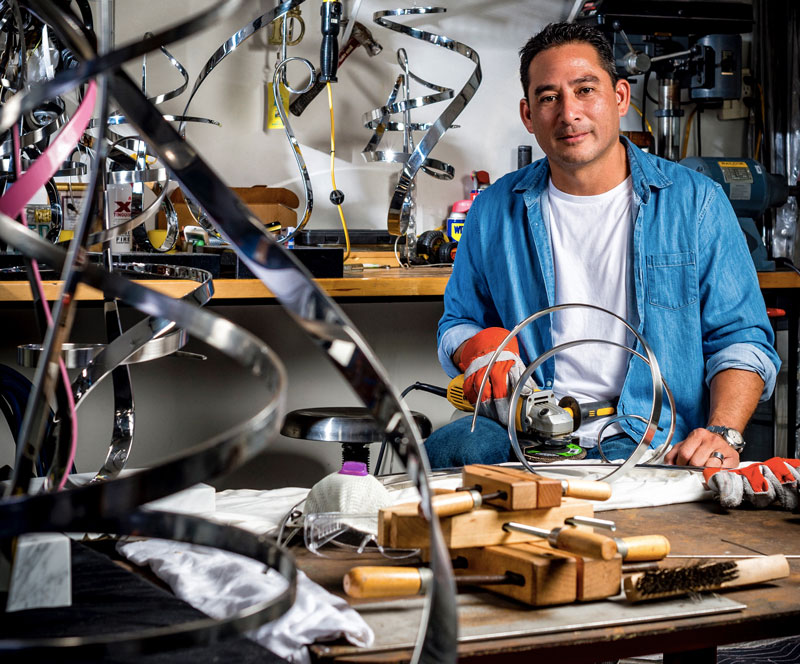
<point>112,505</point>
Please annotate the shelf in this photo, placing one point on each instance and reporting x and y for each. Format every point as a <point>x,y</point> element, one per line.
<point>393,282</point>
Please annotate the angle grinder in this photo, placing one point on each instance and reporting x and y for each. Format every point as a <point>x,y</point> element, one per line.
<point>545,423</point>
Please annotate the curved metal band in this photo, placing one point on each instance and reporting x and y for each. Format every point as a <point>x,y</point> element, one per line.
<point>277,77</point>
<point>397,220</point>
<point>78,508</point>
<point>34,136</point>
<point>314,311</point>
<point>655,374</point>
<point>166,96</point>
<point>203,631</point>
<point>233,42</point>
<point>25,101</point>
<point>644,442</point>
<point>79,355</point>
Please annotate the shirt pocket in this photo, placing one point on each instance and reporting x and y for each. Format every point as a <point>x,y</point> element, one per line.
<point>672,280</point>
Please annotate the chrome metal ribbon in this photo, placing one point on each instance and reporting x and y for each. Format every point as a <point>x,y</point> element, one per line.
<point>655,373</point>
<point>399,207</point>
<point>306,303</point>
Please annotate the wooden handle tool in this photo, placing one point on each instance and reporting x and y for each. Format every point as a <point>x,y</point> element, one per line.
<point>458,502</point>
<point>588,489</point>
<point>569,538</point>
<point>364,582</point>
<point>642,547</point>
<point>696,578</point>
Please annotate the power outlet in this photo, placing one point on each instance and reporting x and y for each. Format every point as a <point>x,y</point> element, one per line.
<point>736,109</point>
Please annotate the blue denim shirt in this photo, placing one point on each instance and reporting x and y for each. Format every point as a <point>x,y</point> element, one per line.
<point>697,297</point>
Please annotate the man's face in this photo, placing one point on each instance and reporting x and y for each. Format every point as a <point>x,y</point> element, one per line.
<point>573,109</point>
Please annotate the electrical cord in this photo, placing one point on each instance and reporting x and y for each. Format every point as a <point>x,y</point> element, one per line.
<point>337,197</point>
<point>425,387</point>
<point>686,131</point>
<point>782,261</point>
<point>646,126</point>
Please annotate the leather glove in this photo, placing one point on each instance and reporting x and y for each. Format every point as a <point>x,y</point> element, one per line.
<point>774,481</point>
<point>503,377</point>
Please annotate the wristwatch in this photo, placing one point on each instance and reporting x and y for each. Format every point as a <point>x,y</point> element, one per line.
<point>731,436</point>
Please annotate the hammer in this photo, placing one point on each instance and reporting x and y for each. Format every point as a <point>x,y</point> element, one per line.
<point>360,36</point>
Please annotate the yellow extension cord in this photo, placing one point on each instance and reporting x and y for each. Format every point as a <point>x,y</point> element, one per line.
<point>333,177</point>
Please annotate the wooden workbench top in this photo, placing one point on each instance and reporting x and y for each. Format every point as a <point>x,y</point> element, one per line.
<point>772,609</point>
<point>386,282</point>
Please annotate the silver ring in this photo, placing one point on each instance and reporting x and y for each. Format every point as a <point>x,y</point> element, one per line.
<point>719,455</point>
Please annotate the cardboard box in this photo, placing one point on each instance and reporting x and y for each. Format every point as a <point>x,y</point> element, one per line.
<point>268,204</point>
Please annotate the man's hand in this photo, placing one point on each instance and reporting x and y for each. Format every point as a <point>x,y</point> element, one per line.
<point>472,357</point>
<point>699,448</point>
<point>734,397</point>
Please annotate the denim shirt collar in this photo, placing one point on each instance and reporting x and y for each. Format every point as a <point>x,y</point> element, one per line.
<point>644,175</point>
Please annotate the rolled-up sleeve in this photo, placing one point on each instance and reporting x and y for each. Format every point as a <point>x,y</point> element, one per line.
<point>748,358</point>
<point>468,306</point>
<point>736,331</point>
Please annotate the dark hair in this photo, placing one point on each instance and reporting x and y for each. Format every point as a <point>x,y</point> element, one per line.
<point>558,34</point>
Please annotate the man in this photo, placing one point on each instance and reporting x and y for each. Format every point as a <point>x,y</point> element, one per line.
<point>600,222</point>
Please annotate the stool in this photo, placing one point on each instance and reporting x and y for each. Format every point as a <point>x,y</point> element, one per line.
<point>352,427</point>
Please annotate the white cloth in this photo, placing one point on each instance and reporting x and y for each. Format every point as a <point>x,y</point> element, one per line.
<point>591,242</point>
<point>219,583</point>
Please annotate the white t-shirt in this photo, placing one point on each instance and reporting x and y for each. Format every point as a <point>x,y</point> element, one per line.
<point>591,237</point>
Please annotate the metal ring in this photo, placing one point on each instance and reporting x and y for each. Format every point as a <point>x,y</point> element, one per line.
<point>718,455</point>
<point>655,373</point>
<point>204,631</point>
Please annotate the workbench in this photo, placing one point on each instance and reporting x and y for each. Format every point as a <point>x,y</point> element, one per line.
<point>772,609</point>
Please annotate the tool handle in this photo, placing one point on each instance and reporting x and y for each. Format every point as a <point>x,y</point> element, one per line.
<point>448,504</point>
<point>586,489</point>
<point>644,547</point>
<point>384,581</point>
<point>585,543</point>
<point>749,571</point>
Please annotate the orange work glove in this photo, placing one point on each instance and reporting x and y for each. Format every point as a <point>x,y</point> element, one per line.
<point>774,481</point>
<point>503,377</point>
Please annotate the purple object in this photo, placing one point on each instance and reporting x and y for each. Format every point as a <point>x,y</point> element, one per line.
<point>354,468</point>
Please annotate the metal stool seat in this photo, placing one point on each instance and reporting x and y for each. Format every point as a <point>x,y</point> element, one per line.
<point>352,427</point>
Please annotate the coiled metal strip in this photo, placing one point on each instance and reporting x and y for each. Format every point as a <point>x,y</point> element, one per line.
<point>205,631</point>
<point>308,305</point>
<point>26,101</point>
<point>399,207</point>
<point>110,500</point>
<point>655,374</point>
<point>234,41</point>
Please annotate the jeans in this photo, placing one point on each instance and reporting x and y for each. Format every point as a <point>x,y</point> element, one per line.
<point>453,445</point>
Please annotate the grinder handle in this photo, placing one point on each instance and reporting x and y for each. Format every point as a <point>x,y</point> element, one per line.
<point>384,581</point>
<point>585,543</point>
<point>588,489</point>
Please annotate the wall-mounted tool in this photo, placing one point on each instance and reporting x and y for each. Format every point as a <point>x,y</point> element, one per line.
<point>695,47</point>
<point>331,13</point>
<point>359,36</point>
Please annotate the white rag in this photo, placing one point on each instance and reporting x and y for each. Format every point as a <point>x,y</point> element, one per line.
<point>220,583</point>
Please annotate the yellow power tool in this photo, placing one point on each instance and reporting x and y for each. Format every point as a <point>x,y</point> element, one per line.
<point>548,423</point>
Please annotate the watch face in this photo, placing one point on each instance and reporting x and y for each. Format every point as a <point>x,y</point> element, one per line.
<point>734,438</point>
